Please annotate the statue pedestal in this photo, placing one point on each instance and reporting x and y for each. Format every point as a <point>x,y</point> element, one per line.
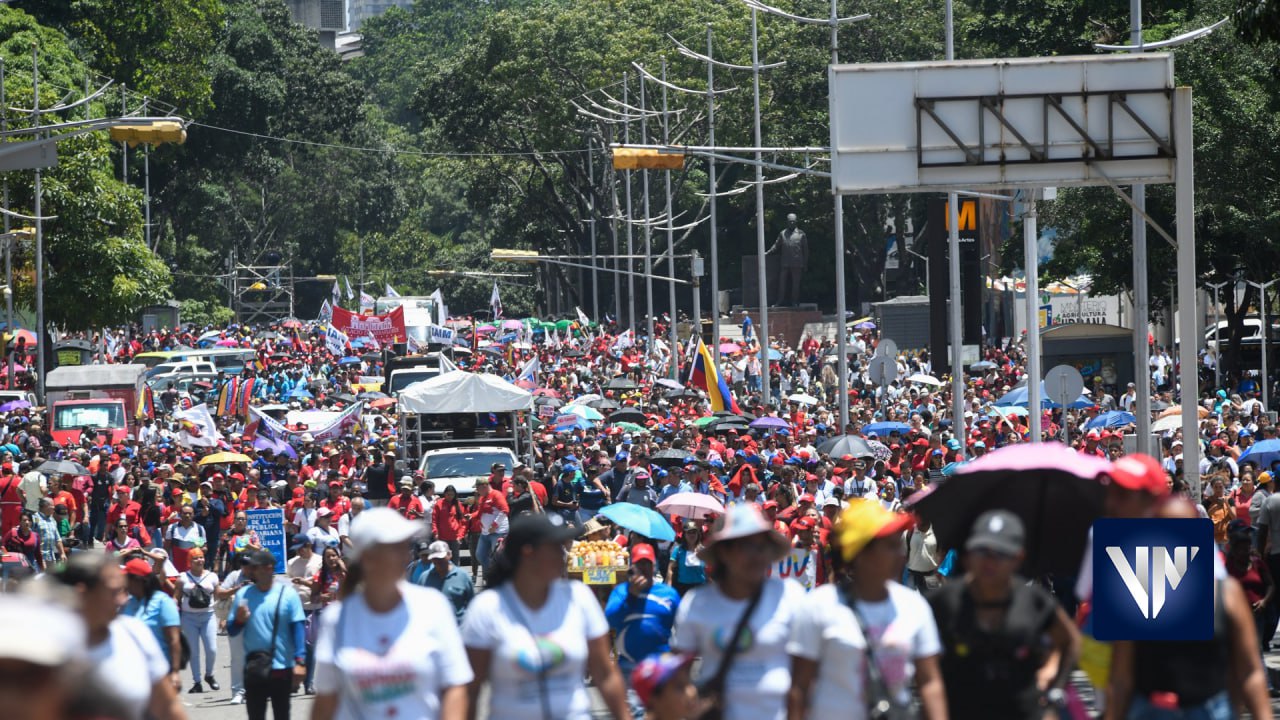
<point>786,323</point>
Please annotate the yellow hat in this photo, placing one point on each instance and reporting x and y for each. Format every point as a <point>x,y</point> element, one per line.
<point>1264,478</point>
<point>865,520</point>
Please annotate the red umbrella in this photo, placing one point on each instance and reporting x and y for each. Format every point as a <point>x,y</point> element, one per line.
<point>546,392</point>
<point>24,336</point>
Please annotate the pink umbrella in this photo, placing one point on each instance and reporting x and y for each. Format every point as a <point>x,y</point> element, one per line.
<point>1054,490</point>
<point>228,342</point>
<point>486,329</point>
<point>730,349</point>
<point>511,325</point>
<point>691,505</point>
<point>546,392</point>
<point>17,367</point>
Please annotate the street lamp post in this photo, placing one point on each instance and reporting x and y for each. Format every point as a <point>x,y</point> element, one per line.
<point>1217,335</point>
<point>1031,265</point>
<point>762,275</point>
<point>1262,310</point>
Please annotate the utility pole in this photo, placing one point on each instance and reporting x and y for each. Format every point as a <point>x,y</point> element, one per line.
<point>631,268</point>
<point>42,334</point>
<point>671,238</point>
<point>957,318</point>
<point>762,276</point>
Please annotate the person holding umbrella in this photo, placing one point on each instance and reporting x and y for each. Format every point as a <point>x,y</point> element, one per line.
<point>990,611</point>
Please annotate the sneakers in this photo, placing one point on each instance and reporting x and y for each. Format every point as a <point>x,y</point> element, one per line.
<point>213,684</point>
<point>237,698</point>
<point>197,688</point>
<point>310,690</point>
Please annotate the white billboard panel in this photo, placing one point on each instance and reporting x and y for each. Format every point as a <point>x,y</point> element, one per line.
<point>967,124</point>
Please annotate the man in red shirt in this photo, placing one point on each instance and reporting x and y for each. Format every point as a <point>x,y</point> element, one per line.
<point>123,506</point>
<point>405,502</point>
<point>336,502</point>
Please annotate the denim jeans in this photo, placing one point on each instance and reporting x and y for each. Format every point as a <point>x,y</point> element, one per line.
<point>485,547</point>
<point>1217,707</point>
<point>237,662</point>
<point>201,628</point>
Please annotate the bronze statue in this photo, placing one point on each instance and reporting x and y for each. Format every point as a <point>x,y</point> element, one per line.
<point>794,248</point>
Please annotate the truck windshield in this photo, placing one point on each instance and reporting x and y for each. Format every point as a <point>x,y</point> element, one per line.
<point>103,415</point>
<point>464,464</point>
<point>401,379</point>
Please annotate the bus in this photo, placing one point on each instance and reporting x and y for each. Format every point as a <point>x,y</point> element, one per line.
<point>231,361</point>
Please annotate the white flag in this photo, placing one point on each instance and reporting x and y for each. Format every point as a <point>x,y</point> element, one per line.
<point>326,313</point>
<point>350,293</point>
<point>198,427</point>
<point>623,341</point>
<point>582,317</point>
<point>495,301</point>
<point>366,301</point>
<point>391,292</point>
<point>335,340</point>
<point>530,371</point>
<point>442,311</point>
<point>336,293</point>
<point>447,365</point>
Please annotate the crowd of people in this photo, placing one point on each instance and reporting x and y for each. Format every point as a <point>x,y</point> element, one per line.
<point>402,599</point>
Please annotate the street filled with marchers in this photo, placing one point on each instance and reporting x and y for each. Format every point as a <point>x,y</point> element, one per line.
<point>580,531</point>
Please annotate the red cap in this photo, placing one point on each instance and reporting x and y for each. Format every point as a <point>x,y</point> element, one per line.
<point>654,671</point>
<point>805,523</point>
<point>846,458</point>
<point>769,505</point>
<point>122,488</point>
<point>1142,473</point>
<point>807,497</point>
<point>138,567</point>
<point>643,551</point>
<point>921,442</point>
<point>1219,443</point>
<point>298,492</point>
<point>335,484</point>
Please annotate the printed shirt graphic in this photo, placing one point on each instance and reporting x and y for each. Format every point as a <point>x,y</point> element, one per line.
<point>554,641</point>
<point>394,664</point>
<point>761,674</point>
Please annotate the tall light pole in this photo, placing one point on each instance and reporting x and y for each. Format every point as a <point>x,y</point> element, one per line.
<point>1262,310</point>
<point>591,208</point>
<point>631,278</point>
<point>1217,334</point>
<point>648,228</point>
<point>42,335</point>
<point>956,317</point>
<point>1031,249</point>
<point>671,238</point>
<point>762,275</point>
<point>711,182</point>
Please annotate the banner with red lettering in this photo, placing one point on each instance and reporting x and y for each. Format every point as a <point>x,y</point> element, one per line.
<point>387,328</point>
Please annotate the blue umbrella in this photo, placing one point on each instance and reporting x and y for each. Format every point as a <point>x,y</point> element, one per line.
<point>579,423</point>
<point>774,354</point>
<point>884,428</point>
<point>639,519</point>
<point>361,341</point>
<point>14,405</point>
<point>1018,396</point>
<point>300,393</point>
<point>349,360</point>
<point>1262,454</point>
<point>1114,418</point>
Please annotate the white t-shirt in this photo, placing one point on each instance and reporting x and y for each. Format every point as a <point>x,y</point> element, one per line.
<point>305,519</point>
<point>208,581</point>
<point>524,642</point>
<point>129,662</point>
<point>827,632</point>
<point>393,664</point>
<point>757,684</point>
<point>321,538</point>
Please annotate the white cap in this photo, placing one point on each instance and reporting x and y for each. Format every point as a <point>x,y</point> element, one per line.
<point>438,550</point>
<point>40,632</point>
<point>381,526</point>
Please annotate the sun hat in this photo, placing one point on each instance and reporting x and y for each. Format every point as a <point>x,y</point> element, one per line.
<point>863,521</point>
<point>381,526</point>
<point>740,521</point>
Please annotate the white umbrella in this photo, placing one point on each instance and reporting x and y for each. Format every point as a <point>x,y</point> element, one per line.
<point>1171,422</point>
<point>803,399</point>
<point>925,380</point>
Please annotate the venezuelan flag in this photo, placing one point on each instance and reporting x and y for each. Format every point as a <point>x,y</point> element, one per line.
<point>147,407</point>
<point>703,375</point>
<point>245,395</point>
<point>227,397</point>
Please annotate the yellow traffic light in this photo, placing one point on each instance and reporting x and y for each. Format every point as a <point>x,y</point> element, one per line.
<point>156,133</point>
<point>647,159</point>
<point>516,256</point>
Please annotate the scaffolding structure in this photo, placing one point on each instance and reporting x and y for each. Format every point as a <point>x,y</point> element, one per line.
<point>263,294</point>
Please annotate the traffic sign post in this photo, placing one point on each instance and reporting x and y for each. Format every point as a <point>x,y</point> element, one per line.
<point>1063,384</point>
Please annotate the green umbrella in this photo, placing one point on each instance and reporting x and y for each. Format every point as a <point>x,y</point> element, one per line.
<point>631,427</point>
<point>582,411</point>
<point>705,421</point>
<point>563,325</point>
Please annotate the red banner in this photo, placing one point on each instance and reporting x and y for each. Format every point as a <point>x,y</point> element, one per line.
<point>385,329</point>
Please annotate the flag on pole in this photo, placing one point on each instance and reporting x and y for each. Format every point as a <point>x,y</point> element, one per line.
<point>366,301</point>
<point>336,293</point>
<point>442,310</point>
<point>623,341</point>
<point>198,427</point>
<point>582,317</point>
<point>335,341</point>
<point>703,375</point>
<point>391,292</point>
<point>529,373</point>
<point>495,301</point>
<point>350,293</point>
<point>326,312</point>
<point>447,365</point>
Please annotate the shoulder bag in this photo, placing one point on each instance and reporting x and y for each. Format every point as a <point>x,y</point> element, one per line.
<point>257,664</point>
<point>881,705</point>
<point>712,690</point>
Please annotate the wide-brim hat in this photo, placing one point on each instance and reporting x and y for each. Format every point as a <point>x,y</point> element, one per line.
<point>740,521</point>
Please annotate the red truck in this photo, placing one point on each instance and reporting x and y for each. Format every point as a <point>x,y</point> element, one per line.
<point>103,398</point>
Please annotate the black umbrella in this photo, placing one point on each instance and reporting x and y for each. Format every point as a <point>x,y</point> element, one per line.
<point>343,397</point>
<point>372,395</point>
<point>62,467</point>
<point>669,458</point>
<point>736,425</point>
<point>622,383</point>
<point>842,445</point>
<point>603,404</point>
<point>573,354</point>
<point>681,394</point>
<point>1052,488</point>
<point>630,415</point>
<point>544,400</point>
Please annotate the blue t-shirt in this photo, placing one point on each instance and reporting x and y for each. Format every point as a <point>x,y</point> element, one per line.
<point>158,612</point>
<point>643,625</point>
<point>263,618</point>
<point>690,569</point>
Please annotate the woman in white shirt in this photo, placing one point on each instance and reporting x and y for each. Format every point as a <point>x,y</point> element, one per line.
<point>388,648</point>
<point>123,654</point>
<point>534,636</point>
<point>739,551</point>
<point>834,675</point>
<point>196,588</point>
